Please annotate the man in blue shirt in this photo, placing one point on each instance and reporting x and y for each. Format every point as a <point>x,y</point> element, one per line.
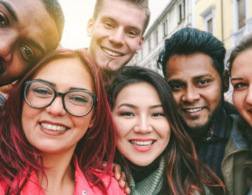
<point>193,64</point>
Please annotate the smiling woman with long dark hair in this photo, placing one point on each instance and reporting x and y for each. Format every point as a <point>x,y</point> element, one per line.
<point>55,130</point>
<point>154,150</point>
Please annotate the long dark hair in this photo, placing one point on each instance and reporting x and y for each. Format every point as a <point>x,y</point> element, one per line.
<point>183,173</point>
<point>16,153</point>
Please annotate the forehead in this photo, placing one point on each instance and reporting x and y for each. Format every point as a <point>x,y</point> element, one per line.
<point>242,63</point>
<point>71,72</point>
<point>119,10</point>
<point>137,93</point>
<point>190,66</point>
<point>32,22</point>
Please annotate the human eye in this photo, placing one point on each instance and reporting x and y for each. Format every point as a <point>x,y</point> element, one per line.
<point>175,86</point>
<point>42,91</point>
<point>79,99</point>
<point>3,21</point>
<point>27,54</point>
<point>126,114</point>
<point>132,33</point>
<point>239,85</point>
<point>203,82</point>
<point>158,114</point>
<point>108,24</point>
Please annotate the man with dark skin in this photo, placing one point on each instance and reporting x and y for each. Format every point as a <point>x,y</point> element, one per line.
<point>193,64</point>
<point>29,29</point>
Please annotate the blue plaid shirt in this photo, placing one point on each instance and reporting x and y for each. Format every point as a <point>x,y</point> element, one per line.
<point>2,99</point>
<point>211,149</point>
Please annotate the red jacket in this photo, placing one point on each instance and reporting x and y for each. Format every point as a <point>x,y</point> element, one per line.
<point>82,186</point>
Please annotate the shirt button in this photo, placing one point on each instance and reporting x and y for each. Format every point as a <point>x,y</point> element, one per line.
<point>84,192</point>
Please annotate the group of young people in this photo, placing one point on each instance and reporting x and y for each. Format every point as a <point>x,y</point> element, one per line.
<point>71,114</point>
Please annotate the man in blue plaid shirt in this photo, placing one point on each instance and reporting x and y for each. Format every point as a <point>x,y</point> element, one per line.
<point>193,64</point>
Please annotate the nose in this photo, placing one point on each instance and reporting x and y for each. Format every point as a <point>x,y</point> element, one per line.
<point>117,37</point>
<point>143,125</point>
<point>7,45</point>
<point>56,108</point>
<point>190,95</point>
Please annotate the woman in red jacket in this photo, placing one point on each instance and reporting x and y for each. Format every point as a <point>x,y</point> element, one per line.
<point>55,130</point>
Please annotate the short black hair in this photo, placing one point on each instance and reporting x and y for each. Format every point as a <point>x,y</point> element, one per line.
<point>53,7</point>
<point>189,41</point>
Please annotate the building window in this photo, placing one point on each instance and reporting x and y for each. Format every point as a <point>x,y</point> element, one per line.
<point>181,9</point>
<point>149,45</point>
<point>241,13</point>
<point>209,25</point>
<point>165,28</point>
<point>208,17</point>
<point>156,37</point>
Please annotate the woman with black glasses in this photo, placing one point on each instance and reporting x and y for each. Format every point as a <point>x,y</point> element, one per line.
<point>55,130</point>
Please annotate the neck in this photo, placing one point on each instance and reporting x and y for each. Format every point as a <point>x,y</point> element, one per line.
<point>141,172</point>
<point>59,174</point>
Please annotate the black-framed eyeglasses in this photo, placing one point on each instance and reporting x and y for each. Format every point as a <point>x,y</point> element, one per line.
<point>40,94</point>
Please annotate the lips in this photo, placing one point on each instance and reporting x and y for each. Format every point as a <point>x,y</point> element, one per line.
<point>112,53</point>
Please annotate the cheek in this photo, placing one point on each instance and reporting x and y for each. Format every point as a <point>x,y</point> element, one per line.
<point>177,97</point>
<point>238,100</point>
<point>28,114</point>
<point>133,45</point>
<point>28,119</point>
<point>166,133</point>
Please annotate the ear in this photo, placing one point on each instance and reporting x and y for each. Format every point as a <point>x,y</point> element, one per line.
<point>225,80</point>
<point>90,26</point>
<point>140,44</point>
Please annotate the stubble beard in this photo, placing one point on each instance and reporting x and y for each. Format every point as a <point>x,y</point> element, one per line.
<point>201,130</point>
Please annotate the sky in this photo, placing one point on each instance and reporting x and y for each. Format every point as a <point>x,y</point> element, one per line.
<point>77,14</point>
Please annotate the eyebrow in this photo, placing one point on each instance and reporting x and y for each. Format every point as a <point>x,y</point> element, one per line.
<point>133,106</point>
<point>54,85</point>
<point>10,10</point>
<point>201,76</point>
<point>232,79</point>
<point>196,77</point>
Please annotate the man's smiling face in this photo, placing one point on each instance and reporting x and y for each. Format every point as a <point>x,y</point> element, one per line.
<point>116,33</point>
<point>27,33</point>
<point>197,89</point>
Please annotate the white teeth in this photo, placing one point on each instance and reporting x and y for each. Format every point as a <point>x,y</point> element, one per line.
<point>142,143</point>
<point>193,110</point>
<point>112,53</point>
<point>53,127</point>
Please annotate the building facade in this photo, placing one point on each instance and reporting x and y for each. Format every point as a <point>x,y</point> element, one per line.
<point>228,20</point>
<point>176,15</point>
